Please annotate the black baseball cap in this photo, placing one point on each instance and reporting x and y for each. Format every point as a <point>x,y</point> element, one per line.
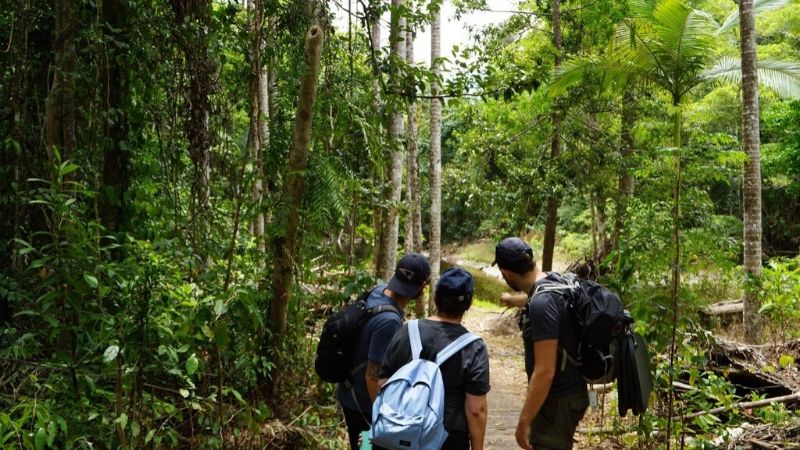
<point>456,284</point>
<point>411,273</point>
<point>512,253</point>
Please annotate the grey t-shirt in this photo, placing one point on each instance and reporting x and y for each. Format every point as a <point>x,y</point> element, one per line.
<point>465,372</point>
<point>549,319</point>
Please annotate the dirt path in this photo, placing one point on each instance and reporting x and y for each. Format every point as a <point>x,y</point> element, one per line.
<point>506,361</point>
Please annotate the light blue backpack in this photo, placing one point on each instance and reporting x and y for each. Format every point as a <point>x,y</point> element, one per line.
<point>408,413</point>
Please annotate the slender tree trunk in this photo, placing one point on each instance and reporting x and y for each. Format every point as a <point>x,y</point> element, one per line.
<point>395,129</point>
<point>593,211</point>
<point>602,239</point>
<point>258,138</point>
<point>115,157</point>
<point>287,246</point>
<point>626,181</point>
<point>413,240</point>
<point>378,211</point>
<point>555,149</point>
<point>676,263</point>
<point>192,19</point>
<point>60,103</point>
<point>752,172</point>
<point>435,241</point>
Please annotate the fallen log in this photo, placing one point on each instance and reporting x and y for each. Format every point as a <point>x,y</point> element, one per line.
<point>724,308</point>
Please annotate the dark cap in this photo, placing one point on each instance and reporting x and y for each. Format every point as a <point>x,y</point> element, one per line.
<point>513,253</point>
<point>411,273</point>
<point>455,284</point>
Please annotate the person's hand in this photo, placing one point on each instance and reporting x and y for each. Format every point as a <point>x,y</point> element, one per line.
<point>523,434</point>
<point>507,300</point>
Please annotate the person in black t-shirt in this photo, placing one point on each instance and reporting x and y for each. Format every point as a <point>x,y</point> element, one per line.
<point>465,375</point>
<point>557,397</point>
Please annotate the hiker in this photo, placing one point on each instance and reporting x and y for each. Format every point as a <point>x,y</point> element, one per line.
<point>356,394</point>
<point>557,396</point>
<point>465,375</point>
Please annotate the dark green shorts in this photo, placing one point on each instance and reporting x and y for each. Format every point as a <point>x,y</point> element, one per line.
<point>554,427</point>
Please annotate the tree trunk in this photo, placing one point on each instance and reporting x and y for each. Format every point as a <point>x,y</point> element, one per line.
<point>413,240</point>
<point>192,19</point>
<point>395,129</point>
<point>602,239</point>
<point>752,173</point>
<point>258,139</point>
<point>555,148</point>
<point>435,241</point>
<point>626,181</point>
<point>378,211</point>
<point>60,103</point>
<point>115,157</point>
<point>287,246</point>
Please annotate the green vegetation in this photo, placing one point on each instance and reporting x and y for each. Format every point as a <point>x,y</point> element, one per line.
<point>170,243</point>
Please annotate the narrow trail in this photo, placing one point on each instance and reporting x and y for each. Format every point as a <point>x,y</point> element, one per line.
<point>506,362</point>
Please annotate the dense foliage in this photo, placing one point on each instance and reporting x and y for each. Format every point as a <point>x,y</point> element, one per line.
<point>143,158</point>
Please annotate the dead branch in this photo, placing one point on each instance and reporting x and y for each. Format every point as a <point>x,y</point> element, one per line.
<point>745,405</point>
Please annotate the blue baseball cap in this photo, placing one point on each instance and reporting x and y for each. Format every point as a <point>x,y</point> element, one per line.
<point>456,284</point>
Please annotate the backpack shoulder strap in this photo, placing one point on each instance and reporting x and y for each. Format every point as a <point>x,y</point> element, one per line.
<point>413,336</point>
<point>382,308</point>
<point>455,347</point>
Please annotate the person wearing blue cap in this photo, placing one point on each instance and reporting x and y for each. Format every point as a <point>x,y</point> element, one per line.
<point>556,399</point>
<point>465,375</point>
<point>356,394</point>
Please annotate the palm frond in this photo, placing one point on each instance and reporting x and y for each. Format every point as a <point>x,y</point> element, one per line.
<point>760,6</point>
<point>783,77</point>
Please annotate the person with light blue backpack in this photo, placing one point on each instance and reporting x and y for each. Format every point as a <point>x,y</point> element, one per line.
<point>434,378</point>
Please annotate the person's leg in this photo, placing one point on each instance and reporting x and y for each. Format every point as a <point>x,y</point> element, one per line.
<point>554,427</point>
<point>356,423</point>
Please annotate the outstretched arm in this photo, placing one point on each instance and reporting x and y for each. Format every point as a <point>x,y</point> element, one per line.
<point>513,300</point>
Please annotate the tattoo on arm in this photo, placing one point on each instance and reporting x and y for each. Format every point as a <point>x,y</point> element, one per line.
<point>373,370</point>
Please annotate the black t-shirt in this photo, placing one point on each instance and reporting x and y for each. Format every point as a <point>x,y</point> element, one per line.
<point>465,372</point>
<point>549,319</point>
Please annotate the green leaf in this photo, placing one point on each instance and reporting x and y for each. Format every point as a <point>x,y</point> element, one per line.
<point>759,6</point>
<point>51,433</point>
<point>111,353</point>
<point>150,435</point>
<point>191,364</point>
<point>122,420</point>
<point>220,308</point>
<point>67,168</point>
<point>40,439</point>
<point>90,280</point>
<point>184,393</point>
<point>135,429</point>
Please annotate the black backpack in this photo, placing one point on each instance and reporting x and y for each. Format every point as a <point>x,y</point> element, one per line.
<point>337,343</point>
<point>601,319</point>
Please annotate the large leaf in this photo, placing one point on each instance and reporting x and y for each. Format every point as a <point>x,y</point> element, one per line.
<point>760,6</point>
<point>783,77</point>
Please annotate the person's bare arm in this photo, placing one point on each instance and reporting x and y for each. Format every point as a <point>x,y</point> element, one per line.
<point>372,378</point>
<point>545,353</point>
<point>513,300</point>
<point>476,408</point>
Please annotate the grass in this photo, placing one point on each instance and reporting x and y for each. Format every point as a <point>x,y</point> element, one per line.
<point>487,289</point>
<point>481,251</point>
